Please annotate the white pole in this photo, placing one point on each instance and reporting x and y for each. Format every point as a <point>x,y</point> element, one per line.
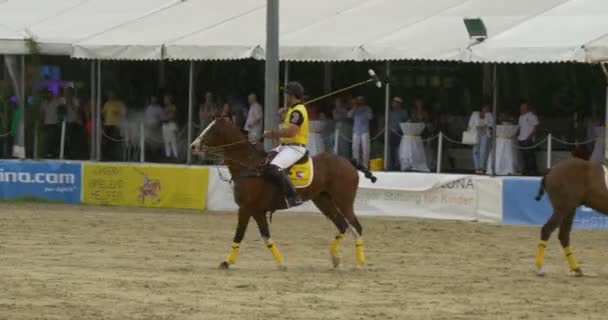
<point>36,141</point>
<point>495,115</point>
<point>98,113</point>
<point>285,81</point>
<point>387,101</point>
<point>142,142</point>
<point>549,150</point>
<point>603,64</point>
<point>190,106</point>
<point>336,138</point>
<point>62,141</point>
<point>439,151</point>
<point>93,113</point>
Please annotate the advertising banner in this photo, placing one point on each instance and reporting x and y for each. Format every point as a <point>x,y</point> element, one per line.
<point>145,185</point>
<point>40,181</point>
<point>520,207</point>
<point>400,194</point>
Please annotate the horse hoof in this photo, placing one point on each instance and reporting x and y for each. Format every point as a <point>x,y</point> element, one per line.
<point>335,261</point>
<point>282,267</point>
<point>224,266</point>
<point>540,272</point>
<point>577,272</point>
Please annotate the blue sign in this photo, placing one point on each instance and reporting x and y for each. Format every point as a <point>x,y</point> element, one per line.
<point>50,181</point>
<point>520,207</point>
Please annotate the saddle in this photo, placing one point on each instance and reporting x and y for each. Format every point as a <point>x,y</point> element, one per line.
<point>270,156</point>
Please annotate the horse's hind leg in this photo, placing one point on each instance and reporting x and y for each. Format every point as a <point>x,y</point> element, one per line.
<point>236,241</point>
<point>564,239</point>
<point>327,206</point>
<point>262,222</point>
<point>345,205</point>
<point>545,233</point>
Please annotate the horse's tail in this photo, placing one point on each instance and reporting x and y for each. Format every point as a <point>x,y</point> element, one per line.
<point>368,174</point>
<point>541,188</point>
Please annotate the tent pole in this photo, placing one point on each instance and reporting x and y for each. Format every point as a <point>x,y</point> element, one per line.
<point>603,64</point>
<point>495,116</point>
<point>93,114</point>
<point>271,83</point>
<point>98,113</point>
<point>387,100</point>
<point>190,102</point>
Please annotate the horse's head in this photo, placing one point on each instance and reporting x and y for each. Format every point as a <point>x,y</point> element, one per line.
<point>219,133</point>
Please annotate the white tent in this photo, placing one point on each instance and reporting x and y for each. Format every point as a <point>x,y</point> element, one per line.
<point>573,31</point>
<point>144,38</point>
<point>56,25</point>
<point>12,42</point>
<point>315,30</point>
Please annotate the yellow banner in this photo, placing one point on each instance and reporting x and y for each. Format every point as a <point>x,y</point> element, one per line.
<point>145,185</point>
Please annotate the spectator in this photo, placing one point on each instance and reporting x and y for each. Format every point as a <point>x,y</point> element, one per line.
<point>152,120</point>
<point>170,128</point>
<point>227,113</point>
<point>481,121</point>
<point>254,122</point>
<point>207,110</point>
<point>74,129</point>
<point>528,123</point>
<point>50,108</point>
<point>396,116</point>
<point>421,114</point>
<point>113,112</point>
<point>361,114</point>
<point>343,127</point>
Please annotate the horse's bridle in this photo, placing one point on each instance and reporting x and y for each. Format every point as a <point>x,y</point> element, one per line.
<point>221,148</point>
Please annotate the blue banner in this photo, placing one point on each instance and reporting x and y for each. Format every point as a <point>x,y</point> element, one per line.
<point>520,207</point>
<point>42,181</point>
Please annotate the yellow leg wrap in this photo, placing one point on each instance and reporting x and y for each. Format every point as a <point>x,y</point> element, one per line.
<point>275,251</point>
<point>359,250</point>
<point>540,253</point>
<point>335,244</point>
<point>570,257</point>
<point>234,253</point>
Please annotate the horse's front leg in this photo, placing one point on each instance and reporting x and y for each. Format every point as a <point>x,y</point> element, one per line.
<point>260,219</point>
<point>238,237</point>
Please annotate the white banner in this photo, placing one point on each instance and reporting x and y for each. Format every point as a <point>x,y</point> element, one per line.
<point>399,194</point>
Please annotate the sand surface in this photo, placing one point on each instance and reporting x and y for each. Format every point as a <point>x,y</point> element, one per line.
<point>80,262</point>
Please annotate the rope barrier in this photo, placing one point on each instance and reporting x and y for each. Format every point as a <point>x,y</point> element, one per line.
<point>529,147</point>
<point>110,138</point>
<point>572,143</point>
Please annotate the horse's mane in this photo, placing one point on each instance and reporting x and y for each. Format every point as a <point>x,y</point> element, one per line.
<point>233,135</point>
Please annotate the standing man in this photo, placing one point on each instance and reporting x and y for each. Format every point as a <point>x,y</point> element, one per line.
<point>114,112</point>
<point>293,136</point>
<point>361,114</point>
<point>396,116</point>
<point>152,119</point>
<point>253,124</point>
<point>528,123</point>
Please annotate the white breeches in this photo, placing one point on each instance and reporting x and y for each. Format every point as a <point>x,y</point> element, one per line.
<point>361,141</point>
<point>287,156</point>
<point>170,139</point>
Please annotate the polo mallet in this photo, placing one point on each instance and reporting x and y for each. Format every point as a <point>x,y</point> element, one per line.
<point>373,78</point>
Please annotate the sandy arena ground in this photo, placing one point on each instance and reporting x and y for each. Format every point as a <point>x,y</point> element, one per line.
<point>67,262</point>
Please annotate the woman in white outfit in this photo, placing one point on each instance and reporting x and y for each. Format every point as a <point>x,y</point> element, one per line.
<point>169,128</point>
<point>481,121</point>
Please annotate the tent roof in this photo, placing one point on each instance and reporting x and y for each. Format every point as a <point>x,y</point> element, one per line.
<point>519,31</point>
<point>572,31</point>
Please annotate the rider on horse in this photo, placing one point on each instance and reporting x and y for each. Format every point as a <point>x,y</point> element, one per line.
<point>293,136</point>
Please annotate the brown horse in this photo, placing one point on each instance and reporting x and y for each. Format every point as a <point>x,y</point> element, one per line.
<point>570,184</point>
<point>333,189</point>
